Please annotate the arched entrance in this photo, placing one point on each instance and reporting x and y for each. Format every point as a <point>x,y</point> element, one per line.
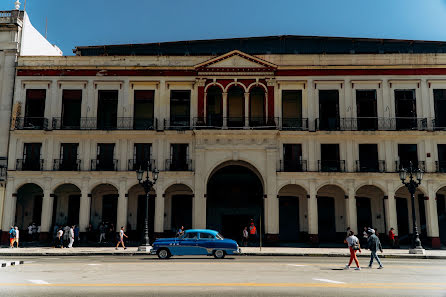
<point>441,210</point>
<point>28,208</point>
<point>331,213</point>
<point>214,107</point>
<point>257,107</point>
<point>236,107</point>
<point>136,212</point>
<point>370,208</point>
<point>234,197</point>
<point>178,207</point>
<point>104,206</point>
<point>292,201</point>
<point>66,205</point>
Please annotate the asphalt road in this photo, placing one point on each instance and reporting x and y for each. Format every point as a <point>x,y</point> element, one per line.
<point>203,276</point>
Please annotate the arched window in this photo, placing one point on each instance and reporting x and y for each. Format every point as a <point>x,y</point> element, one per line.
<point>257,107</point>
<point>236,107</point>
<point>214,107</point>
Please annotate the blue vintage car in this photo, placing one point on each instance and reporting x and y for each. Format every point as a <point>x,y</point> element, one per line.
<point>195,242</point>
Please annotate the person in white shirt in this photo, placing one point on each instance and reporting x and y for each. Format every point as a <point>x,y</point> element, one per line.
<point>121,238</point>
<point>71,237</point>
<point>30,232</point>
<point>16,239</point>
<point>60,237</point>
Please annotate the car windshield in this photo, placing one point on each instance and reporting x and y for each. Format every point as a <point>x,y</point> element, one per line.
<point>219,236</point>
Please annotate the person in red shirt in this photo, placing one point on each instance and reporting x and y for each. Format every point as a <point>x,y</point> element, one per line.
<point>392,237</point>
<point>253,233</point>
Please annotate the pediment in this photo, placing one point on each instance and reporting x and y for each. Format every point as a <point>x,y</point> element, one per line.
<point>236,61</point>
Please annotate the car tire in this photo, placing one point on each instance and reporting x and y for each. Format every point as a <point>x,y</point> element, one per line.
<point>163,253</point>
<point>219,254</point>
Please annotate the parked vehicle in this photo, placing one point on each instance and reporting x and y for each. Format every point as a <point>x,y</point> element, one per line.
<point>195,242</point>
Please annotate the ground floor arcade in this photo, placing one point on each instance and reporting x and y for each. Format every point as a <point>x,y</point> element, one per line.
<point>311,207</point>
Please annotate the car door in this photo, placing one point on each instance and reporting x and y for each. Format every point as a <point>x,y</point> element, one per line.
<point>188,245</point>
<point>206,242</point>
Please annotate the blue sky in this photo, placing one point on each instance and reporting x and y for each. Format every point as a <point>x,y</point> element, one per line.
<point>90,22</point>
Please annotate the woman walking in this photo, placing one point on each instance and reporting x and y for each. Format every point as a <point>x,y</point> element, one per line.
<point>353,245</point>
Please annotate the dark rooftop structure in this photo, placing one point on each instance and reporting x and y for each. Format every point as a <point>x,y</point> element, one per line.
<point>284,44</point>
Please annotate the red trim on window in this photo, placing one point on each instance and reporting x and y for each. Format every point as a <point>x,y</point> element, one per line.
<point>270,101</point>
<point>200,102</point>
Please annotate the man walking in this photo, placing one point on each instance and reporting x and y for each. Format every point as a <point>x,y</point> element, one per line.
<point>374,244</point>
<point>101,232</point>
<point>16,239</point>
<point>245,237</point>
<point>71,237</point>
<point>11,237</point>
<point>392,237</point>
<point>60,237</point>
<point>121,238</point>
<point>252,233</point>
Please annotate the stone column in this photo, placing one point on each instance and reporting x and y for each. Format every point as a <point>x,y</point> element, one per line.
<point>225,110</point>
<point>9,209</point>
<point>246,110</point>
<point>271,201</point>
<point>351,212</point>
<point>159,215</point>
<point>2,199</point>
<point>84,209</point>
<point>433,232</point>
<point>390,207</point>
<point>312,215</point>
<point>47,215</point>
<point>199,200</point>
<point>121,220</point>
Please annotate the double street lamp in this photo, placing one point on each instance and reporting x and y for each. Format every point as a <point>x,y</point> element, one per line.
<point>147,184</point>
<point>408,176</point>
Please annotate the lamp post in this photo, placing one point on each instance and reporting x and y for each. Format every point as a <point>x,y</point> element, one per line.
<point>412,185</point>
<point>147,184</point>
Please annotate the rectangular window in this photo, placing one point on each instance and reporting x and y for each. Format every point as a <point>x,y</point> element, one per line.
<point>407,153</point>
<point>143,110</point>
<point>441,158</point>
<point>142,155</point>
<point>180,108</point>
<point>35,109</point>
<point>366,110</point>
<point>406,110</point>
<point>179,157</point>
<point>32,156</point>
<point>105,155</point>
<point>69,157</point>
<point>330,158</point>
<point>107,110</point>
<point>292,158</point>
<point>329,110</point>
<point>368,158</point>
<point>440,108</point>
<point>292,109</point>
<point>71,109</point>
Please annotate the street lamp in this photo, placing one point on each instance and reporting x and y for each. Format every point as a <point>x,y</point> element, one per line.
<point>412,186</point>
<point>147,184</point>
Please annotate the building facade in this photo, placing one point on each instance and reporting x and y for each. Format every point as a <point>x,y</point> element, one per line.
<point>304,135</point>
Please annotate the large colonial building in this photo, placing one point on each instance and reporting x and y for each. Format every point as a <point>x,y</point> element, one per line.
<point>302,134</point>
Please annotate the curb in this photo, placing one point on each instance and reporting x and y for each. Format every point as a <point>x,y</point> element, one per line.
<point>402,256</point>
<point>11,263</point>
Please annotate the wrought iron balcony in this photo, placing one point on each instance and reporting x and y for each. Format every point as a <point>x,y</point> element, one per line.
<point>177,123</point>
<point>31,123</point>
<point>141,164</point>
<point>263,122</point>
<point>292,166</point>
<point>294,124</point>
<point>63,124</point>
<point>145,124</point>
<point>410,123</point>
<point>178,165</point>
<point>438,124</point>
<point>104,165</point>
<point>331,165</point>
<point>209,122</point>
<point>440,166</point>
<point>235,122</point>
<point>67,165</point>
<point>406,164</point>
<point>328,124</point>
<point>29,164</point>
<point>370,166</point>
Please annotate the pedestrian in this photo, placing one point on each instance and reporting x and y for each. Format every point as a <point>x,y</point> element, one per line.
<point>252,233</point>
<point>245,236</point>
<point>30,232</point>
<point>181,231</point>
<point>365,235</point>
<point>60,237</point>
<point>11,237</point>
<point>374,244</point>
<point>16,238</point>
<point>71,237</point>
<point>392,237</point>
<point>354,246</point>
<point>34,231</point>
<point>76,234</point>
<point>121,238</point>
<point>66,235</point>
<point>38,233</point>
<point>101,232</point>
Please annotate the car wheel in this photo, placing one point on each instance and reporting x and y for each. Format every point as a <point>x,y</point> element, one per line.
<point>219,254</point>
<point>163,254</point>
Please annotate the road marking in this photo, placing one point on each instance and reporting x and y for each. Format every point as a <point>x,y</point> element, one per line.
<point>328,281</point>
<point>93,264</point>
<point>38,282</point>
<point>297,265</point>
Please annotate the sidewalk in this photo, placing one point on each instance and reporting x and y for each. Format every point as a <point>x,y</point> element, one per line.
<point>247,251</point>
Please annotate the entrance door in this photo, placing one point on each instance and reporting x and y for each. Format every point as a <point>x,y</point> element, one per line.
<point>326,219</point>
<point>73,209</point>
<point>440,108</point>
<point>34,109</point>
<point>406,110</point>
<point>71,109</point>
<point>329,110</point>
<point>107,110</point>
<point>366,110</point>
<point>143,110</point>
<point>364,212</point>
<point>37,209</point>
<point>441,211</point>
<point>181,211</point>
<point>289,218</point>
<point>110,208</point>
<point>214,107</point>
<point>402,214</point>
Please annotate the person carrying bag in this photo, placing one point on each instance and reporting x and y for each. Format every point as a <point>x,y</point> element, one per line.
<point>354,246</point>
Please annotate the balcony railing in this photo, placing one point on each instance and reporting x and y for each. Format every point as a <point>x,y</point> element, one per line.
<point>177,123</point>
<point>263,123</point>
<point>61,124</point>
<point>328,124</point>
<point>122,123</point>
<point>440,166</point>
<point>145,124</point>
<point>406,164</point>
<point>137,164</point>
<point>370,166</point>
<point>67,165</point>
<point>104,165</point>
<point>210,122</point>
<point>331,165</point>
<point>178,165</point>
<point>410,123</point>
<point>29,164</point>
<point>295,124</point>
<point>438,124</point>
<point>235,122</point>
<point>31,123</point>
<point>371,123</point>
<point>292,166</point>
